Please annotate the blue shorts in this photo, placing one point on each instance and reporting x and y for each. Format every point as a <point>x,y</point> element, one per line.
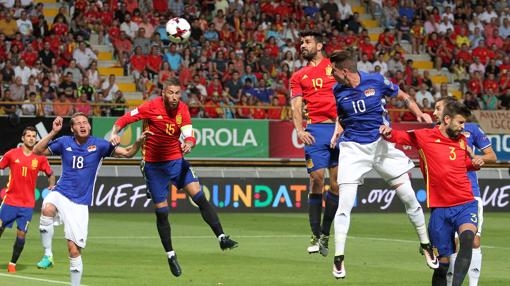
<point>444,222</point>
<point>319,155</point>
<point>159,175</point>
<point>9,214</point>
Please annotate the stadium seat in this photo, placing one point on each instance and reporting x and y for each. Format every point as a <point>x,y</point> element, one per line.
<point>438,79</point>
<point>457,94</point>
<point>423,65</point>
<point>105,56</point>
<point>50,12</point>
<point>127,86</point>
<point>105,71</point>
<point>359,9</point>
<point>369,23</point>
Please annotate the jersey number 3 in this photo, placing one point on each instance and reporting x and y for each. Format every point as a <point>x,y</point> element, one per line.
<point>453,155</point>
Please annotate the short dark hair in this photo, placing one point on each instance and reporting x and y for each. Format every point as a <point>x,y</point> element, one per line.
<point>29,128</point>
<point>173,81</point>
<point>343,59</point>
<point>454,108</point>
<point>76,114</point>
<point>447,99</point>
<point>317,35</point>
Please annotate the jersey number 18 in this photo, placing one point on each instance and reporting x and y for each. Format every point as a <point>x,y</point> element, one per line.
<point>77,162</point>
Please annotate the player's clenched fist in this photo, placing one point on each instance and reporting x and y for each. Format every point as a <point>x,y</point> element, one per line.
<point>57,124</point>
<point>385,131</point>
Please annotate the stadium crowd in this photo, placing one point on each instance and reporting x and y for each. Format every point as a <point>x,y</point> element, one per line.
<point>241,54</point>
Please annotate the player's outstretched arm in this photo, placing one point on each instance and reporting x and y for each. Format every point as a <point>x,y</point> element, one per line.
<point>415,109</point>
<point>130,151</point>
<point>297,118</point>
<point>336,134</point>
<point>51,181</point>
<point>398,136</point>
<point>114,135</point>
<point>41,148</point>
<point>489,156</point>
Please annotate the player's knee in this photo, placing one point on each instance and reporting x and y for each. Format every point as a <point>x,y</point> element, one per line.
<point>45,223</point>
<point>316,181</point>
<point>442,270</point>
<point>476,242</point>
<point>162,214</point>
<point>399,181</point>
<point>49,210</point>
<point>466,239</point>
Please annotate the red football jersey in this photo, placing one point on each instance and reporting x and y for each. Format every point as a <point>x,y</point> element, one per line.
<point>22,176</point>
<point>164,145</point>
<point>315,85</point>
<point>444,163</point>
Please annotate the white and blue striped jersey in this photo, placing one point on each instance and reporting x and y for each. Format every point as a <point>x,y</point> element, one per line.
<point>361,109</point>
<point>80,165</point>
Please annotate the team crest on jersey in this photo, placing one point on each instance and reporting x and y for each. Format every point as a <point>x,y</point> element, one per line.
<point>369,92</point>
<point>91,148</point>
<point>309,163</point>
<point>178,119</point>
<point>329,70</point>
<point>462,145</point>
<point>466,134</point>
<point>34,164</point>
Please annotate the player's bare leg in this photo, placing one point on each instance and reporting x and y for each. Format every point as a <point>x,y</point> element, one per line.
<point>164,231</point>
<point>403,188</point>
<point>329,211</point>
<point>17,248</point>
<point>46,230</point>
<point>209,215</point>
<point>75,263</point>
<point>315,208</point>
<point>346,199</point>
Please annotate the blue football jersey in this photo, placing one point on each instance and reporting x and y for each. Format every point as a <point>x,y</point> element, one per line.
<point>80,165</point>
<point>361,109</point>
<point>475,139</point>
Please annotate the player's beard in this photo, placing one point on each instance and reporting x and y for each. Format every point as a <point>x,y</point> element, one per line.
<point>308,55</point>
<point>452,133</point>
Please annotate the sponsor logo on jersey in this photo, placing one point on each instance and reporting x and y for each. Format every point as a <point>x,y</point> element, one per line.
<point>34,164</point>
<point>369,92</point>
<point>134,112</point>
<point>462,145</point>
<point>159,117</point>
<point>304,77</point>
<point>69,149</point>
<point>178,119</point>
<point>438,140</point>
<point>91,148</point>
<point>17,161</point>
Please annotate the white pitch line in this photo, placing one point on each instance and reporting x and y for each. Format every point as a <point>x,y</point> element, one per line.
<point>35,279</point>
<point>273,236</point>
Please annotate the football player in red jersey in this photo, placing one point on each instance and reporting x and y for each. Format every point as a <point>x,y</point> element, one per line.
<point>444,162</point>
<point>19,200</point>
<point>168,117</point>
<point>312,88</point>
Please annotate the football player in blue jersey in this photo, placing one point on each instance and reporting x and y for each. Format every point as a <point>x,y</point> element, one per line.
<point>476,138</point>
<point>360,108</point>
<point>81,155</point>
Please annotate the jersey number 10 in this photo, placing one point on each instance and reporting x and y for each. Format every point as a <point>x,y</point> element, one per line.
<point>359,106</point>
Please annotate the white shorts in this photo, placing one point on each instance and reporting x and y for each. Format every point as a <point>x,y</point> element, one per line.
<point>74,216</point>
<point>355,160</point>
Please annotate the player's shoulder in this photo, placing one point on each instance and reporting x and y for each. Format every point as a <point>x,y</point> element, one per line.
<point>300,73</point>
<point>473,127</point>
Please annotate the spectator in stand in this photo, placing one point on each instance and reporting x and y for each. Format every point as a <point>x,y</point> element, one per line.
<point>403,29</point>
<point>8,26</point>
<point>129,27</point>
<point>442,93</point>
<point>431,25</point>
<point>495,39</point>
<point>18,90</point>
<point>83,56</point>
<point>227,106</point>
<point>165,73</point>
<point>142,41</point>
<point>138,63</point>
<point>9,109</point>
<point>460,74</point>
<point>109,88</point>
<point>345,11</point>
<point>120,104</point>
<point>25,26</point>
<point>418,36</point>
<point>22,71</point>
<point>88,90</point>
<point>471,101</point>
<point>75,71</point>
<point>30,106</point>
<point>382,64</point>
<point>122,45</point>
<point>211,107</point>
<point>364,65</point>
<point>83,105</point>
<point>354,23</point>
<point>476,66</point>
<point>93,75</point>
<point>154,62</point>
<point>173,57</point>
<point>275,112</point>
<point>422,94</point>
<point>259,112</point>
<point>386,39</point>
<point>234,87</point>
<point>68,87</point>
<point>395,63</point>
<point>490,101</point>
<point>262,92</point>
<point>62,106</point>
<point>389,15</point>
<point>504,29</point>
<point>490,84</point>
<point>47,57</point>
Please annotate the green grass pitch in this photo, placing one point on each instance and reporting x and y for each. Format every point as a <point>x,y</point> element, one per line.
<point>124,249</point>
